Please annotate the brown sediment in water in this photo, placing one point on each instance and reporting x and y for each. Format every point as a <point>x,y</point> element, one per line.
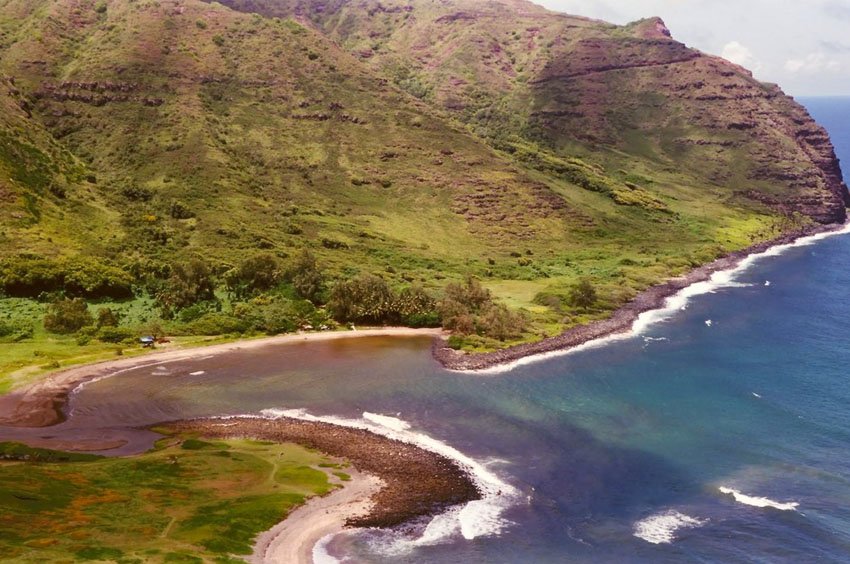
<point>42,404</point>
<point>416,482</point>
<point>621,320</point>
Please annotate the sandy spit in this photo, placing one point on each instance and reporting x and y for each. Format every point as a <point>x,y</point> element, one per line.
<point>292,541</point>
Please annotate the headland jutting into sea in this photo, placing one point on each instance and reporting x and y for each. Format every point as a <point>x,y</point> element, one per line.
<point>624,318</point>
<point>44,403</point>
<point>416,481</point>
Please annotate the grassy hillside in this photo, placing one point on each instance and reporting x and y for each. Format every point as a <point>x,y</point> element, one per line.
<point>421,143</point>
<point>615,94</point>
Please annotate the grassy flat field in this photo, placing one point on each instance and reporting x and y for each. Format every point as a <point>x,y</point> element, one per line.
<point>187,500</point>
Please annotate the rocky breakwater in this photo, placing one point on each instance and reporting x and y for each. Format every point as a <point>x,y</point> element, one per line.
<point>417,482</point>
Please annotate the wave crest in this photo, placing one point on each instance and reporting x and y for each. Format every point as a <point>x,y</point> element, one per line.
<point>479,518</point>
<point>672,305</point>
<point>661,528</point>
<point>759,501</point>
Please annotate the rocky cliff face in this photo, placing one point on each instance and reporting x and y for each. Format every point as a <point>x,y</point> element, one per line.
<point>512,69</point>
<point>647,92</point>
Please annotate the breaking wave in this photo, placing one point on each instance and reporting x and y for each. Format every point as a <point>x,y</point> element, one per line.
<point>673,304</point>
<point>478,518</point>
<point>661,528</point>
<point>759,501</point>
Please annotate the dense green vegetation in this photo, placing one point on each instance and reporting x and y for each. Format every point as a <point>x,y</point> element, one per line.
<point>188,500</point>
<point>207,172</point>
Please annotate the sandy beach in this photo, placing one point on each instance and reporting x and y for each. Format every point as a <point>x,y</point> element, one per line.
<point>393,481</point>
<point>292,540</point>
<point>41,404</point>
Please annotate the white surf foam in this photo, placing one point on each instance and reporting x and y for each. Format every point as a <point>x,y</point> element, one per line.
<point>672,305</point>
<point>79,387</point>
<point>759,501</point>
<point>320,550</point>
<point>479,518</point>
<point>661,528</point>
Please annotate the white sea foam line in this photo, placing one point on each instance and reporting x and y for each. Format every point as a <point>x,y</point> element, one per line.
<point>320,550</point>
<point>759,501</point>
<point>157,372</point>
<point>478,518</point>
<point>676,302</point>
<point>661,528</point>
<point>79,387</point>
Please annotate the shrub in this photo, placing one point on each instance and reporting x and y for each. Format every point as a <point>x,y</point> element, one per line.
<point>218,40</point>
<point>551,301</point>
<point>196,311</point>
<point>416,308</point>
<point>137,193</point>
<point>307,277</point>
<point>115,334</point>
<point>107,318</point>
<point>189,283</point>
<point>179,210</point>
<point>67,316</point>
<point>469,308</point>
<point>471,294</point>
<point>15,331</point>
<point>455,342</point>
<point>583,295</point>
<point>498,322</point>
<point>217,324</point>
<point>255,274</point>
<point>334,244</point>
<point>366,298</point>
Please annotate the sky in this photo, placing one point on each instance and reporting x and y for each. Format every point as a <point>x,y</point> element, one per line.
<point>802,45</point>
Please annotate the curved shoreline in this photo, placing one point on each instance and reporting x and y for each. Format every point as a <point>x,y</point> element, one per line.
<point>622,320</point>
<point>42,403</point>
<point>416,482</point>
<point>294,539</point>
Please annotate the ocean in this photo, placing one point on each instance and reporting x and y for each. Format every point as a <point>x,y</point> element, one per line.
<point>720,433</point>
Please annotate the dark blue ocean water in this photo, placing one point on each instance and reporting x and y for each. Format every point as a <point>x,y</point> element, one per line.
<point>635,437</point>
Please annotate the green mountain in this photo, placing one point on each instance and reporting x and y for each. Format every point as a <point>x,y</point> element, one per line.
<point>421,141</point>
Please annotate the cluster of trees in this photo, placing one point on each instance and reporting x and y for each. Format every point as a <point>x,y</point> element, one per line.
<point>468,308</point>
<point>265,296</point>
<point>68,316</point>
<point>31,277</point>
<point>370,299</point>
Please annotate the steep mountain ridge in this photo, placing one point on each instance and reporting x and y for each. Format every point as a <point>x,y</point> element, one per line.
<point>511,69</point>
<point>226,116</point>
<point>420,142</point>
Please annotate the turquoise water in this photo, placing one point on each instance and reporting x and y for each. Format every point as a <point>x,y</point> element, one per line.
<point>611,454</point>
